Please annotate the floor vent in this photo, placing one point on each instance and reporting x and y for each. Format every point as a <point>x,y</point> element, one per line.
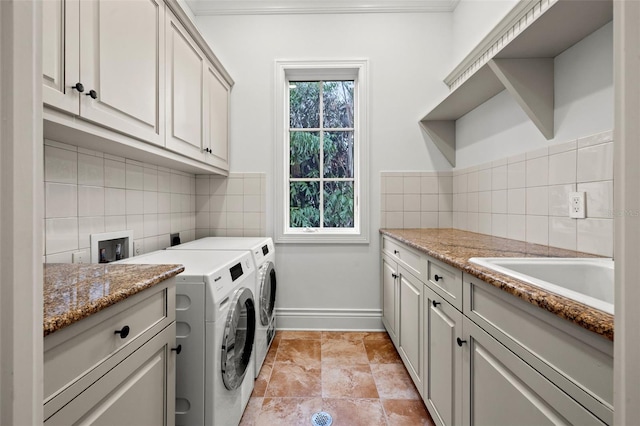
<point>321,419</point>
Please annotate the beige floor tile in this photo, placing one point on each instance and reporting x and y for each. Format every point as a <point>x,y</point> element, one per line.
<point>354,381</point>
<point>393,382</point>
<point>406,413</point>
<point>344,352</point>
<point>293,380</point>
<point>303,352</point>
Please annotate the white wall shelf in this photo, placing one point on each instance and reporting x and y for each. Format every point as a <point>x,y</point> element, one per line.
<point>518,58</point>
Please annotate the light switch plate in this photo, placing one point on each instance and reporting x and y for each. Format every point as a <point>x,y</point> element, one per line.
<point>78,257</point>
<point>577,205</point>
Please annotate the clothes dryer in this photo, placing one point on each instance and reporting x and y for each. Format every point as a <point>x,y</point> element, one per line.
<point>215,327</point>
<point>262,251</point>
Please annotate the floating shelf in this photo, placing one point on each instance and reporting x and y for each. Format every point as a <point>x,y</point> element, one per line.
<point>523,66</point>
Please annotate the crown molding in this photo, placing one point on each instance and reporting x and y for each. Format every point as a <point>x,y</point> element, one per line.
<point>286,7</point>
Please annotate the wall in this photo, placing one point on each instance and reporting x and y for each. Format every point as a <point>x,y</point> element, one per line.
<point>472,21</point>
<point>526,197</point>
<point>90,192</point>
<point>408,56</point>
<point>583,106</point>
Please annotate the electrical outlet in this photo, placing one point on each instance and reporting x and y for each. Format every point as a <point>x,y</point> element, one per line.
<point>577,205</point>
<point>78,257</point>
<point>138,248</point>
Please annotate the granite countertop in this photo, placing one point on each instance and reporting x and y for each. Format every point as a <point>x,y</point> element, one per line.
<point>75,291</point>
<point>456,247</point>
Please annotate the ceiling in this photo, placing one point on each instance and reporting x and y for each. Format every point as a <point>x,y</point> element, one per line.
<point>266,7</point>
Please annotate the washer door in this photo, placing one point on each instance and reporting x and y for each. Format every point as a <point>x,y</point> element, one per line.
<point>267,292</point>
<point>237,342</point>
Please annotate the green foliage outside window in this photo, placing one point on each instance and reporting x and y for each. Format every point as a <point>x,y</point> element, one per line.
<point>329,148</point>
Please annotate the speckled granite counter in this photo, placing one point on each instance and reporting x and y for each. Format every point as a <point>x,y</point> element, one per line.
<point>456,247</point>
<point>75,291</point>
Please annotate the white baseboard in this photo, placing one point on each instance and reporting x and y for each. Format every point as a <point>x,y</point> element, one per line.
<point>329,319</point>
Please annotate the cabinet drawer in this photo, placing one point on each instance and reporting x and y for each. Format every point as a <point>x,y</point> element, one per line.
<point>446,281</point>
<point>138,391</point>
<point>72,352</point>
<point>413,260</point>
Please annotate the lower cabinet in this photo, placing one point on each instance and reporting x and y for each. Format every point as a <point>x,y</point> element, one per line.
<point>501,389</point>
<point>117,366</point>
<point>139,391</point>
<point>390,297</point>
<point>411,344</point>
<point>479,356</point>
<point>442,359</point>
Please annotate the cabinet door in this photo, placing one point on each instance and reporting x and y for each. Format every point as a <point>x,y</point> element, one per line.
<point>216,119</point>
<point>502,389</point>
<point>138,391</point>
<point>411,325</point>
<point>60,54</point>
<point>122,60</point>
<point>389,297</point>
<point>185,89</point>
<point>442,359</point>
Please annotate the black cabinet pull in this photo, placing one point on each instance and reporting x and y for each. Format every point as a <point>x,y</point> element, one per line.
<point>93,94</point>
<point>438,278</point>
<point>177,349</point>
<point>460,341</point>
<point>435,304</point>
<point>79,87</point>
<point>124,332</point>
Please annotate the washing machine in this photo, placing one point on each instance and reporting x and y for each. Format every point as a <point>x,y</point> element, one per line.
<point>215,328</point>
<point>263,254</point>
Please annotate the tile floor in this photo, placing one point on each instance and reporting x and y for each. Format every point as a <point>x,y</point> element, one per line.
<point>358,378</point>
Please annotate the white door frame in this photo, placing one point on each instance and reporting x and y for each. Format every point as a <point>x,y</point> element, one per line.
<point>21,212</point>
<point>627,212</point>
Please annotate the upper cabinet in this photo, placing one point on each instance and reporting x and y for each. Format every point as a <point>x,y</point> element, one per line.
<point>94,69</point>
<point>517,56</point>
<point>116,74</point>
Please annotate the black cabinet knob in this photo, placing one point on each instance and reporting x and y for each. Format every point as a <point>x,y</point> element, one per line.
<point>460,341</point>
<point>438,278</point>
<point>396,252</point>
<point>394,275</point>
<point>79,87</point>
<point>177,349</point>
<point>93,94</point>
<point>435,304</point>
<point>124,332</point>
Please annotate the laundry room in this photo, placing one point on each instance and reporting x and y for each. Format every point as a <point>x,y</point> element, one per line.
<point>318,212</point>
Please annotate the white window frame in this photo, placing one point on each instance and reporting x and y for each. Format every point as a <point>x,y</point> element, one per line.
<point>315,70</point>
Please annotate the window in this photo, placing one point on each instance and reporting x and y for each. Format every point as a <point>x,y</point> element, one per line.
<point>322,156</point>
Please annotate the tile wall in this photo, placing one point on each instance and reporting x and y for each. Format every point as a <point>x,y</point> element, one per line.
<point>231,207</point>
<point>90,192</point>
<point>525,197</point>
<point>416,200</point>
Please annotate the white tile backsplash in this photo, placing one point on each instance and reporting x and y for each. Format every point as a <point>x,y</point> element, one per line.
<point>525,197</point>
<point>89,192</point>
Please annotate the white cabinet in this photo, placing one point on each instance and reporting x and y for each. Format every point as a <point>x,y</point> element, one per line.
<point>390,298</point>
<point>60,54</point>
<point>502,389</point>
<point>116,366</point>
<point>216,118</point>
<point>481,356</point>
<point>121,72</point>
<point>442,359</point>
<point>185,65</point>
<point>402,288</point>
<point>410,347</point>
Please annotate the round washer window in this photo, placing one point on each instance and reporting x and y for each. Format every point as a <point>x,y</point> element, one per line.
<point>267,292</point>
<point>239,334</point>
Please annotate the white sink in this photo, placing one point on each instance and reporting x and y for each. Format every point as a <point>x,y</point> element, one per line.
<point>589,281</point>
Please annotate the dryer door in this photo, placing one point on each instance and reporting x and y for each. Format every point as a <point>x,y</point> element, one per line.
<point>267,292</point>
<point>237,342</point>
